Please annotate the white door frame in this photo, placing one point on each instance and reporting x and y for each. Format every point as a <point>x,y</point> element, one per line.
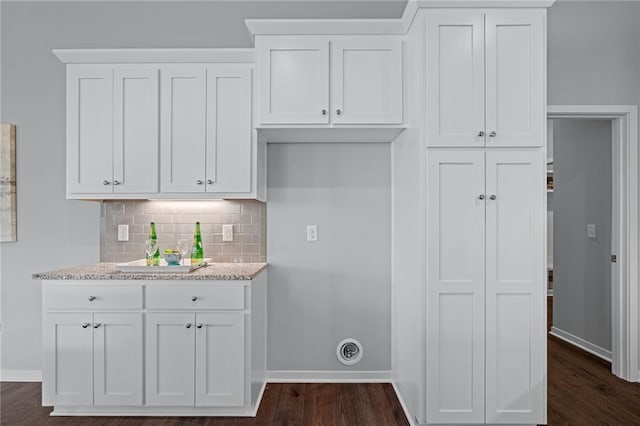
<point>624,342</point>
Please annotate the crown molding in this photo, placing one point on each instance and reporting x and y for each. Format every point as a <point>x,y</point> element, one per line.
<point>114,56</point>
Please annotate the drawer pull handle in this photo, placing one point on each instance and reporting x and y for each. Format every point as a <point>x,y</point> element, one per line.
<point>85,324</point>
<point>199,325</point>
<point>188,325</point>
<point>194,298</point>
<point>92,298</point>
<point>96,325</point>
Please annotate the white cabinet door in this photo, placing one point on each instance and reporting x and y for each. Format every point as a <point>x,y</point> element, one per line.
<point>68,359</point>
<point>455,287</point>
<point>183,124</point>
<point>515,69</point>
<point>229,129</point>
<point>170,362</point>
<point>515,288</point>
<point>89,129</point>
<point>367,81</point>
<point>455,79</point>
<point>220,359</point>
<point>117,358</point>
<point>294,81</point>
<point>135,130</point>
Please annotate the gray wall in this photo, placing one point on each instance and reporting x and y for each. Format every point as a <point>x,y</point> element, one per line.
<point>582,195</point>
<point>322,292</point>
<point>594,53</point>
<point>54,232</point>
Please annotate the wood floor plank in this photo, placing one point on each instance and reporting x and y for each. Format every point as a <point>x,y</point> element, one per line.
<point>320,405</point>
<point>290,409</point>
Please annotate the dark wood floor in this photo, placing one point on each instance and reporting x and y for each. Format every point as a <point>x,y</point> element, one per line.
<point>581,391</point>
<point>283,404</point>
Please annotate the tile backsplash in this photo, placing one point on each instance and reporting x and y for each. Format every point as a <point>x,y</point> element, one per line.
<point>176,219</point>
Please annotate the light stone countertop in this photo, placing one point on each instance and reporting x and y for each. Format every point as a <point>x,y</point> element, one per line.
<point>108,271</point>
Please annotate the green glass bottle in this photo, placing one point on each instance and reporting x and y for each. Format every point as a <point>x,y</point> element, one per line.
<point>197,252</point>
<point>155,259</point>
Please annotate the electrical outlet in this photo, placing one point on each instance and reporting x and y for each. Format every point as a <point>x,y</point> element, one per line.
<point>591,231</point>
<point>312,232</point>
<point>227,232</point>
<point>123,232</point>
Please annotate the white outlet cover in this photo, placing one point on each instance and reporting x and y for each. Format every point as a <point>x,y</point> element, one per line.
<point>591,231</point>
<point>312,232</point>
<point>227,232</point>
<point>123,232</point>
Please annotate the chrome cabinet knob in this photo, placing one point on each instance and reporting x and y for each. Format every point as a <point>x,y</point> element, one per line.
<point>116,182</point>
<point>481,197</point>
<point>188,325</point>
<point>106,182</point>
<point>492,197</point>
<point>92,298</point>
<point>85,324</point>
<point>481,133</point>
<point>199,325</point>
<point>323,112</point>
<point>199,182</point>
<point>338,111</point>
<point>96,325</point>
<point>492,134</point>
<point>209,181</point>
<point>194,298</point>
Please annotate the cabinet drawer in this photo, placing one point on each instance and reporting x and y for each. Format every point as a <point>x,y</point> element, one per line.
<point>222,296</point>
<point>93,297</point>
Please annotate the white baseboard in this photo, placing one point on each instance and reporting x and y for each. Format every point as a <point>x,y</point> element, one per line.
<point>581,343</point>
<point>302,376</point>
<point>20,375</point>
<point>407,413</point>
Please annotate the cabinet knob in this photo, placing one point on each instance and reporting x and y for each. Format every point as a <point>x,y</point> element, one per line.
<point>106,182</point>
<point>188,325</point>
<point>481,133</point>
<point>481,197</point>
<point>338,111</point>
<point>199,325</point>
<point>92,298</point>
<point>116,182</point>
<point>199,182</point>
<point>323,112</point>
<point>96,325</point>
<point>85,324</point>
<point>194,298</point>
<point>492,197</point>
<point>209,181</point>
<point>492,134</point>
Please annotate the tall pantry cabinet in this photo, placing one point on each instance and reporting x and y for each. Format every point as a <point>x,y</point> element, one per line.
<point>484,210</point>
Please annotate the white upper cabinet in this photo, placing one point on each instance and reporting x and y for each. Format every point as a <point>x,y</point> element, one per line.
<point>206,129</point>
<point>294,81</point>
<point>485,78</point>
<point>140,128</point>
<point>183,118</point>
<point>135,130</point>
<point>228,159</point>
<point>112,130</point>
<point>455,79</point>
<point>515,78</point>
<point>310,81</point>
<point>89,129</point>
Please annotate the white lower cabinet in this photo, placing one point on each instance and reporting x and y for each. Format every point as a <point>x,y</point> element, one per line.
<point>161,347</point>
<point>93,359</point>
<point>485,287</point>
<point>195,359</point>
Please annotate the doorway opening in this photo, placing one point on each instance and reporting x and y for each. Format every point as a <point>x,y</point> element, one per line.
<point>624,231</point>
